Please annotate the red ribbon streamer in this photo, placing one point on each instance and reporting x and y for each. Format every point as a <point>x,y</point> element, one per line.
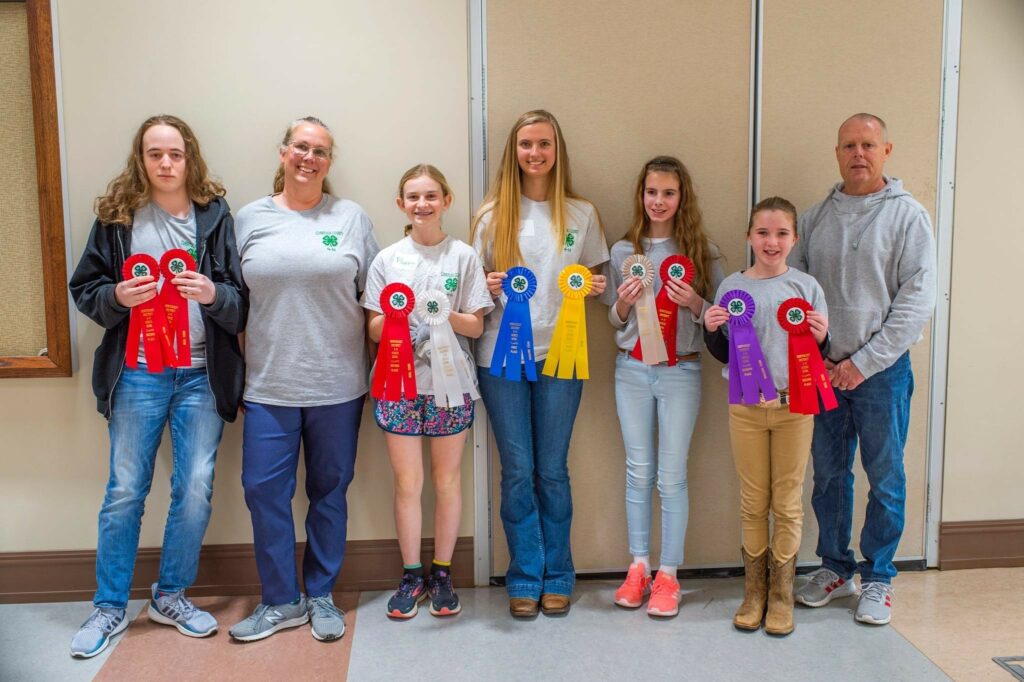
<point>147,320</point>
<point>668,311</point>
<point>807,374</point>
<point>395,375</point>
<point>172,264</point>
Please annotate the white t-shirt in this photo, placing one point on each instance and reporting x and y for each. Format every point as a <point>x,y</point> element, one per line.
<point>451,266</point>
<point>584,245</point>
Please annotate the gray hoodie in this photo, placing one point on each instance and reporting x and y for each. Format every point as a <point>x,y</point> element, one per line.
<point>874,256</point>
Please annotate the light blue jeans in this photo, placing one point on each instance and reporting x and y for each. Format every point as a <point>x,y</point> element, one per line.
<point>142,404</point>
<point>657,401</point>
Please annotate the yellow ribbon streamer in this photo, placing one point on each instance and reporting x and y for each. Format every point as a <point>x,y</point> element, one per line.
<point>569,342</point>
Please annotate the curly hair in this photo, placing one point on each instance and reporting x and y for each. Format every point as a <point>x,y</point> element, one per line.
<point>130,190</point>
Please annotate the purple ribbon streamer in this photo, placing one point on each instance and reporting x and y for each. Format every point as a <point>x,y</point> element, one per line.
<point>749,375</point>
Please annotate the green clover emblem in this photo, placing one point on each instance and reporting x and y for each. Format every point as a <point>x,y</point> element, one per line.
<point>433,308</point>
<point>576,281</point>
<point>637,270</point>
<point>519,284</point>
<point>736,307</point>
<point>177,266</point>
<point>398,301</point>
<point>676,271</point>
<point>330,240</point>
<point>796,316</point>
<point>140,270</point>
<point>451,284</point>
<point>190,247</point>
<point>570,240</point>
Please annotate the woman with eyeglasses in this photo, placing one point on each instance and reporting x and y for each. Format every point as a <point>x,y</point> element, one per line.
<point>305,254</point>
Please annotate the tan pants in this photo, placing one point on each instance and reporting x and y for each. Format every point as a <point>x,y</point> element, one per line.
<point>770,447</point>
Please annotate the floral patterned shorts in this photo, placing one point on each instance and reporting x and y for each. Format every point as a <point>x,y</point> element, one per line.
<point>422,416</point>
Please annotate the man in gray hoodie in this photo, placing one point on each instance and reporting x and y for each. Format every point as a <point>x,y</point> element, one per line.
<point>870,245</point>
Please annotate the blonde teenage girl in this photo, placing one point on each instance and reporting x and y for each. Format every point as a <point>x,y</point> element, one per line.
<point>427,259</point>
<point>770,445</point>
<point>664,397</point>
<point>531,217</point>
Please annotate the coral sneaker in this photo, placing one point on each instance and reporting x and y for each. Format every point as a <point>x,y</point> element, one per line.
<point>665,596</point>
<point>637,586</point>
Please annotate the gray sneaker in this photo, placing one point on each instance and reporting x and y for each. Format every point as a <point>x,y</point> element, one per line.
<point>328,620</point>
<point>267,619</point>
<point>822,586</point>
<point>95,634</point>
<point>174,608</point>
<point>875,604</point>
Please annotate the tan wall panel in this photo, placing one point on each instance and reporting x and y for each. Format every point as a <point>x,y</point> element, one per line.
<point>625,88</point>
<point>983,464</point>
<point>391,80</point>
<point>818,71</point>
<point>22,311</point>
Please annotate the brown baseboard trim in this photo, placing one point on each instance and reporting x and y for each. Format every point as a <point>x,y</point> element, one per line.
<point>981,544</point>
<point>224,570</point>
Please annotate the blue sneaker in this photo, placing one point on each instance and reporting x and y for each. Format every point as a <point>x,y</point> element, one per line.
<point>174,608</point>
<point>404,603</point>
<point>443,600</point>
<point>95,634</point>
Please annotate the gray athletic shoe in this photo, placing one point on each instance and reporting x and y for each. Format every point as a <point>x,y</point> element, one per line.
<point>267,619</point>
<point>95,634</point>
<point>875,604</point>
<point>174,608</point>
<point>328,620</point>
<point>822,586</point>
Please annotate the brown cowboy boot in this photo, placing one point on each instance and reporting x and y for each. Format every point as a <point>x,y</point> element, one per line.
<point>755,592</point>
<point>779,620</point>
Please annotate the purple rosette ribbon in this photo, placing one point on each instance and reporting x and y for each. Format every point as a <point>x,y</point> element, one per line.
<point>749,375</point>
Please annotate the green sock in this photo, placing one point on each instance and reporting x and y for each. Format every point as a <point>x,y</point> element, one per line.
<point>414,569</point>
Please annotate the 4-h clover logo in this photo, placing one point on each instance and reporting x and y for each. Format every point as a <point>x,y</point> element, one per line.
<point>637,270</point>
<point>190,247</point>
<point>140,270</point>
<point>330,240</point>
<point>451,284</point>
<point>576,281</point>
<point>795,315</point>
<point>519,284</point>
<point>433,308</point>
<point>737,307</point>
<point>177,266</point>
<point>398,301</point>
<point>570,240</point>
<point>676,271</point>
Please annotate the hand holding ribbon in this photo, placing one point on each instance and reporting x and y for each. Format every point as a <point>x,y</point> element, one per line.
<point>749,375</point>
<point>147,320</point>
<point>807,374</point>
<point>650,347</point>
<point>568,350</point>
<point>675,268</point>
<point>172,264</point>
<point>452,376</point>
<point>514,346</point>
<point>394,377</point>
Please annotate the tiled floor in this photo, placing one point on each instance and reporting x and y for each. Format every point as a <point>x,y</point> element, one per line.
<point>946,625</point>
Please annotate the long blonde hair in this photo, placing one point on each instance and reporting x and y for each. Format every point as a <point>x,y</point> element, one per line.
<point>502,200</point>
<point>431,172</point>
<point>287,140</point>
<point>130,190</point>
<point>688,225</point>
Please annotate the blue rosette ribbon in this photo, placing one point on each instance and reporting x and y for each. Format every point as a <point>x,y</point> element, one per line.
<point>513,351</point>
<point>749,375</point>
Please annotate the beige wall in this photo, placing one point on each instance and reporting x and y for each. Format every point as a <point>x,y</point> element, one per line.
<point>391,80</point>
<point>983,465</point>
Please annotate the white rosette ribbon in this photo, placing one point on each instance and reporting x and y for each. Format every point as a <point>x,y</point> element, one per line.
<point>652,343</point>
<point>452,376</point>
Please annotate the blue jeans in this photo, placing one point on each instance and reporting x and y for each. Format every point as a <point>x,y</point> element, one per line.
<point>664,400</point>
<point>532,424</point>
<point>877,413</point>
<point>270,459</point>
<point>141,405</point>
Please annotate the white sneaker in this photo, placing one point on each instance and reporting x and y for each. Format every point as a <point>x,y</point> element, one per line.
<point>822,586</point>
<point>875,604</point>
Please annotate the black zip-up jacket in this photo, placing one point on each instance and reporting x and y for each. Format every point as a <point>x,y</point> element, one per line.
<point>99,271</point>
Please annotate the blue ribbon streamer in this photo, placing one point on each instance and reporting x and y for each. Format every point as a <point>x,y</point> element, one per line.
<point>514,347</point>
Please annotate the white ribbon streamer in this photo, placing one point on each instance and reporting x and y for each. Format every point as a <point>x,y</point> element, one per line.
<point>652,343</point>
<point>451,374</point>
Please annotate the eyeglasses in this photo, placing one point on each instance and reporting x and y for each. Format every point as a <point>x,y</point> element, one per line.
<point>301,150</point>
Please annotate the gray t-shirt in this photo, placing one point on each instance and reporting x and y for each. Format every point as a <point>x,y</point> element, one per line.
<point>584,244</point>
<point>451,266</point>
<point>689,336</point>
<point>154,233</point>
<point>768,294</point>
<point>305,341</point>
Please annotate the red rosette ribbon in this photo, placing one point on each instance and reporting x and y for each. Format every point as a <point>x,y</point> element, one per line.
<point>147,320</point>
<point>394,377</point>
<point>807,374</point>
<point>679,268</point>
<point>172,264</point>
